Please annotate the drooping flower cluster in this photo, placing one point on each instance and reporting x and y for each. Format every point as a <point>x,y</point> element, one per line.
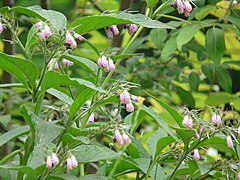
<point>106,63</point>
<point>126,98</point>
<point>65,62</point>
<point>45,31</point>
<point>183,6</point>
<point>71,162</point>
<point>121,138</point>
<point>70,40</point>
<point>132,28</point>
<point>113,30</point>
<point>52,160</point>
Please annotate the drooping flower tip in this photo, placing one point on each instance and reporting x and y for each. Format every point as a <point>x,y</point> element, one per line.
<point>111,65</point>
<point>67,63</point>
<point>69,164</point>
<point>132,28</point>
<point>78,36</point>
<point>129,107</point>
<point>102,62</point>
<point>134,98</point>
<point>49,162</point>
<point>74,161</point>
<point>117,137</point>
<point>52,160</point>
<point>55,159</point>
<point>187,8</point>
<point>111,31</point>
<point>216,119</point>
<point>183,6</point>
<point>196,155</point>
<point>45,33</point>
<point>2,28</point>
<point>187,122</point>
<point>55,67</point>
<point>197,136</point>
<point>70,41</point>
<point>126,139</point>
<point>91,119</point>
<point>229,142</point>
<point>125,97</point>
<point>39,24</point>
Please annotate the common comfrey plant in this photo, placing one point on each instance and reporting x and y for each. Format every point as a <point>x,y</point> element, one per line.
<point>79,113</point>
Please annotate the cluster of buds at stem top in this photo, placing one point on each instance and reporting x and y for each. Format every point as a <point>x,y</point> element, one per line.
<point>187,121</point>
<point>106,63</point>
<point>121,138</point>
<point>132,28</point>
<point>71,162</point>
<point>111,31</point>
<point>45,31</point>
<point>70,40</point>
<point>183,6</point>
<point>91,119</point>
<point>2,28</point>
<point>55,66</point>
<point>126,98</point>
<point>52,160</point>
<point>229,142</point>
<point>196,155</point>
<point>216,119</point>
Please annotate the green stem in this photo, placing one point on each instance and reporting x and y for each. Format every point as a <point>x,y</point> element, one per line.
<point>82,169</point>
<point>12,154</point>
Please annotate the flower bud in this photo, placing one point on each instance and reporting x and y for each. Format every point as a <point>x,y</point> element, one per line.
<point>55,159</point>
<point>187,122</point>
<point>69,164</point>
<point>117,137</point>
<point>229,142</point>
<point>132,28</point>
<point>216,119</point>
<point>197,136</point>
<point>45,33</point>
<point>125,138</point>
<point>196,155</point>
<point>125,97</point>
<point>39,24</point>
<point>112,30</point>
<point>238,176</point>
<point>180,6</point>
<point>74,161</point>
<point>70,41</point>
<point>49,162</point>
<point>67,63</point>
<point>90,119</point>
<point>187,8</point>
<point>102,62</point>
<point>129,107</point>
<point>111,65</point>
<point>55,67</point>
<point>134,98</point>
<point>78,36</point>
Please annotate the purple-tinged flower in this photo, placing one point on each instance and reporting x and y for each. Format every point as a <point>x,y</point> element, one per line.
<point>132,28</point>
<point>216,119</point>
<point>197,136</point>
<point>238,131</point>
<point>2,28</point>
<point>39,25</point>
<point>45,33</point>
<point>238,176</point>
<point>180,6</point>
<point>196,155</point>
<point>55,67</point>
<point>78,36</point>
<point>117,137</point>
<point>67,63</point>
<point>125,97</point>
<point>229,142</point>
<point>70,41</point>
<point>90,119</point>
<point>134,98</point>
<point>102,62</point>
<point>49,162</point>
<point>119,117</point>
<point>125,138</point>
<point>187,122</point>
<point>74,161</point>
<point>55,159</point>
<point>111,31</point>
<point>111,65</point>
<point>187,8</point>
<point>129,107</point>
<point>69,163</point>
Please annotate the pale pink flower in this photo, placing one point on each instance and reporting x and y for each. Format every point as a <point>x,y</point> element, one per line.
<point>125,97</point>
<point>125,138</point>
<point>49,162</point>
<point>69,164</point>
<point>2,28</point>
<point>132,28</point>
<point>187,122</point>
<point>187,8</point>
<point>112,30</point>
<point>90,119</point>
<point>78,36</point>
<point>55,67</point>
<point>45,33</point>
<point>129,107</point>
<point>74,161</point>
<point>238,176</point>
<point>196,155</point>
<point>111,65</point>
<point>229,142</point>
<point>39,24</point>
<point>134,98</point>
<point>67,63</point>
<point>55,159</point>
<point>197,135</point>
<point>117,137</point>
<point>216,119</point>
<point>102,62</point>
<point>180,6</point>
<point>70,41</point>
<point>238,131</point>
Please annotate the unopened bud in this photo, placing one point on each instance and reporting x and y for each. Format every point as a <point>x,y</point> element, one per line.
<point>196,155</point>
<point>216,119</point>
<point>187,122</point>
<point>129,107</point>
<point>229,142</point>
<point>67,63</point>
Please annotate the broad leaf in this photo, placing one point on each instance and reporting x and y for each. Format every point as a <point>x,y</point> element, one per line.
<point>23,70</point>
<point>136,149</point>
<point>162,143</point>
<point>158,37</point>
<point>169,47</point>
<point>224,79</point>
<point>208,70</point>
<point>61,96</point>
<point>151,3</point>
<point>88,23</point>
<point>186,96</point>
<point>194,81</point>
<point>215,44</point>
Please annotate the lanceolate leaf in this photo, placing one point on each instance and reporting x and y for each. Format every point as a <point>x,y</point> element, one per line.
<point>151,3</point>
<point>23,70</point>
<point>215,44</point>
<point>186,96</point>
<point>224,79</point>
<point>194,81</point>
<point>88,23</point>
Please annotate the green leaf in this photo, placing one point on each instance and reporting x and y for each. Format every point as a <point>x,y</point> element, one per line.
<point>71,177</point>
<point>158,37</point>
<point>151,3</point>
<point>194,81</point>
<point>93,153</point>
<point>193,167</point>
<point>185,135</point>
<point>4,138</point>
<point>68,138</point>
<point>208,71</point>
<point>56,19</point>
<point>156,117</point>
<point>224,79</point>
<point>53,79</point>
<point>215,44</point>
<point>186,96</point>
<point>88,23</point>
<point>24,169</point>
<point>31,39</point>
<point>177,117</point>
<point>61,96</point>
<point>218,98</point>
<point>169,48</point>
<point>186,34</point>
<point>23,70</point>
<point>162,143</point>
<point>83,62</point>
<point>136,149</point>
